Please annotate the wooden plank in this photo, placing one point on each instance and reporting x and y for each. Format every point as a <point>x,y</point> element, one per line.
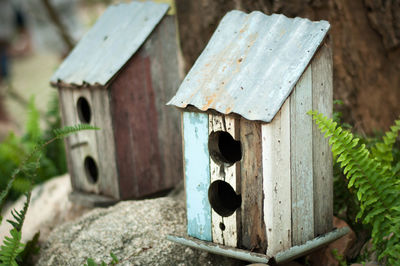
<point>228,235</point>
<point>134,116</point>
<point>162,49</point>
<point>322,157</point>
<point>253,233</point>
<point>301,160</point>
<point>276,173</point>
<point>197,174</point>
<point>216,124</point>
<point>68,119</point>
<point>86,144</point>
<point>108,177</point>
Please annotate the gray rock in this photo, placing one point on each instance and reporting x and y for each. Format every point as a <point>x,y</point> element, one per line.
<point>133,230</point>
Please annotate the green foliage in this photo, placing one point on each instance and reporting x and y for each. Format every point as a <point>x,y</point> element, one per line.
<point>375,181</point>
<point>14,149</point>
<point>114,261</point>
<point>31,248</point>
<point>12,248</point>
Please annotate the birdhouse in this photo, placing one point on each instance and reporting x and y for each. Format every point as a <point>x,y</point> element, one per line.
<point>118,78</point>
<point>258,173</point>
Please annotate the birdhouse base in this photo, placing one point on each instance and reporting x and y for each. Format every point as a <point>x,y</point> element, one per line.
<point>281,257</point>
<point>91,200</point>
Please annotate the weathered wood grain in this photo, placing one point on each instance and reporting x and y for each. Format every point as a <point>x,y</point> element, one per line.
<point>277,183</point>
<point>108,176</point>
<point>322,157</point>
<point>197,174</point>
<point>86,144</point>
<point>301,160</point>
<point>67,118</point>
<point>162,48</point>
<point>134,116</point>
<point>253,232</point>
<point>220,171</point>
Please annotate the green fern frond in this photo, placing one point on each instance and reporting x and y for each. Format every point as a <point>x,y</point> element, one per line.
<point>67,130</point>
<point>19,216</point>
<point>372,180</point>
<point>11,247</point>
<point>382,151</point>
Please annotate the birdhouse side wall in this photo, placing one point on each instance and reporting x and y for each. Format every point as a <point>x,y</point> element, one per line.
<point>322,85</point>
<point>97,145</point>
<point>147,135</point>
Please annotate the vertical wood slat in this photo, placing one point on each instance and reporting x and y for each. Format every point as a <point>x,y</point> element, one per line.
<point>322,156</point>
<point>86,144</point>
<point>162,49</point>
<point>108,176</point>
<point>277,183</point>
<point>228,236</point>
<point>135,125</point>
<point>197,174</point>
<point>68,119</point>
<point>301,160</point>
<point>253,234</point>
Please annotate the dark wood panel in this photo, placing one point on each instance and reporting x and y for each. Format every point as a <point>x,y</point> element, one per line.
<point>135,128</point>
<point>253,236</point>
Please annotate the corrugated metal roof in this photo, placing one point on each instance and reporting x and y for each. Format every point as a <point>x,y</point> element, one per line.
<point>251,64</point>
<point>109,44</point>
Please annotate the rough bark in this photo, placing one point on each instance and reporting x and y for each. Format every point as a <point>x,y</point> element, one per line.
<point>366,48</point>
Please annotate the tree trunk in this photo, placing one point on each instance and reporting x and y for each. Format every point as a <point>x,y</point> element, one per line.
<point>366,48</point>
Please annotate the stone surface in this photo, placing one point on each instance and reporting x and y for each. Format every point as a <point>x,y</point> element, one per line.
<point>49,207</point>
<point>343,245</point>
<point>133,230</point>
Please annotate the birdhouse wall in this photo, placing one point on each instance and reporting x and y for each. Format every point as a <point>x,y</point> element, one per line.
<point>298,188</point>
<point>89,152</point>
<point>204,169</point>
<point>147,135</point>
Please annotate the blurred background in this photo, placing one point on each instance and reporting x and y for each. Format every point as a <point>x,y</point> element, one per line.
<point>35,36</point>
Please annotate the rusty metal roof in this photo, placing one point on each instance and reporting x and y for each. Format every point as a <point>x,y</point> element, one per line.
<point>110,43</point>
<point>251,64</point>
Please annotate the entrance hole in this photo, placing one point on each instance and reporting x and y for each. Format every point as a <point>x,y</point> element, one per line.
<point>84,111</point>
<point>223,198</point>
<point>223,148</point>
<point>92,172</point>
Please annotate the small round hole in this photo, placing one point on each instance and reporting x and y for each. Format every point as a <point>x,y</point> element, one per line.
<point>92,172</point>
<point>84,112</point>
<point>222,226</point>
<point>223,198</point>
<point>223,148</point>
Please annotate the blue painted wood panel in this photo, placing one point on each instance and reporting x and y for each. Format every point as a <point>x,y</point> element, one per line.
<point>197,174</point>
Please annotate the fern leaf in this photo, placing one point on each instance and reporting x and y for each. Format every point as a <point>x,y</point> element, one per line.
<point>371,175</point>
<point>11,247</point>
<point>67,130</point>
<point>19,216</point>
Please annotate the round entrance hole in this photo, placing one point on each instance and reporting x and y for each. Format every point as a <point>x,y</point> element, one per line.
<point>223,198</point>
<point>223,148</point>
<point>84,111</point>
<point>92,172</point>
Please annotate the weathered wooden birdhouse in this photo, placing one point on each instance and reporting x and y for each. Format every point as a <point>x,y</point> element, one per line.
<point>118,78</point>
<point>258,173</point>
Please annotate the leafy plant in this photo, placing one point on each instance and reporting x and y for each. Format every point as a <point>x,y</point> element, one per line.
<point>14,149</point>
<point>12,249</point>
<point>375,181</point>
